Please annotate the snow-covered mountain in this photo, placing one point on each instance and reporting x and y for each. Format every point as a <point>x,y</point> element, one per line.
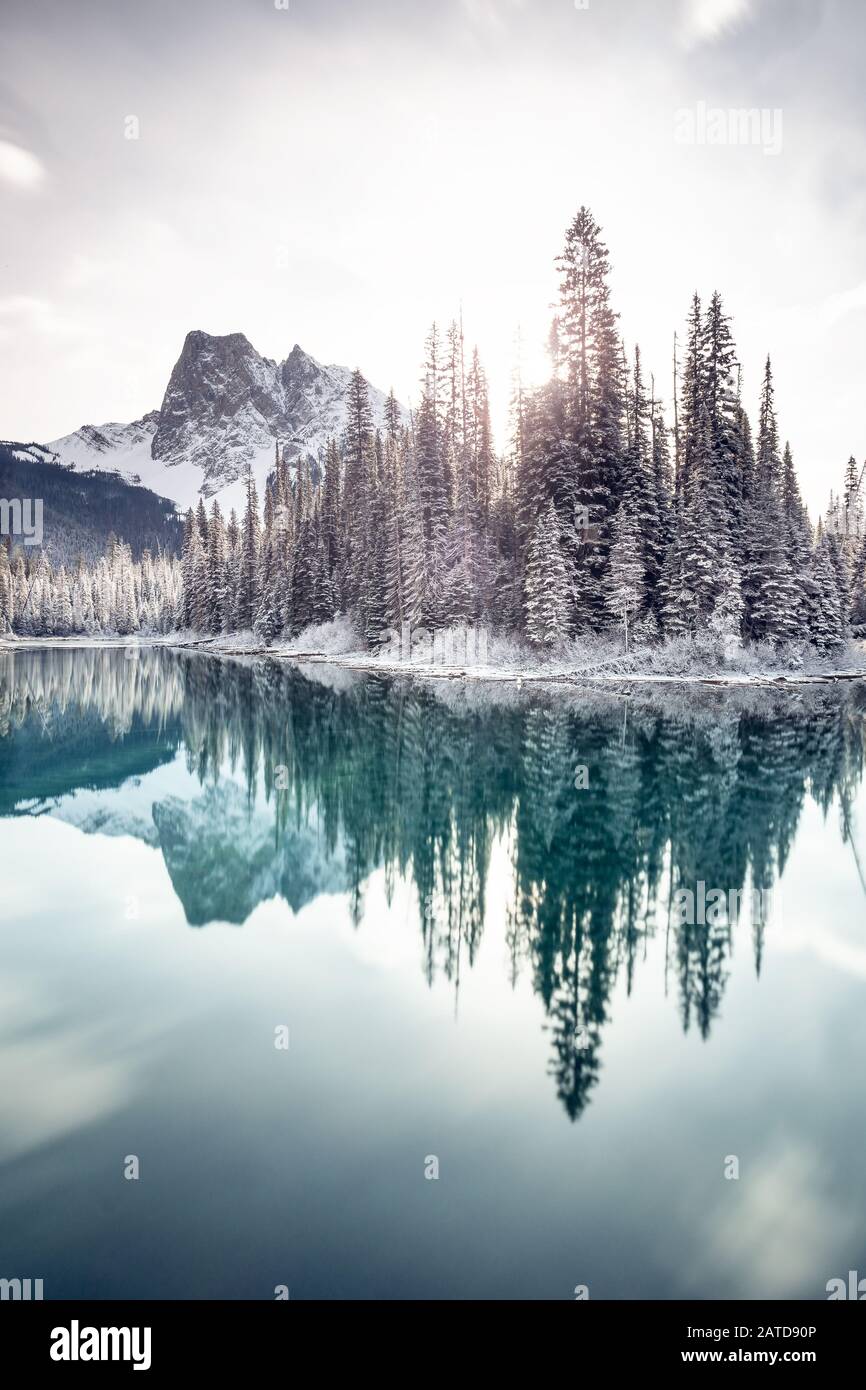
<point>81,507</point>
<point>29,453</point>
<point>224,409</point>
<point>224,856</point>
<point>221,850</point>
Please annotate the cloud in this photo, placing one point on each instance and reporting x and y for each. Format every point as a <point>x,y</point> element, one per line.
<point>20,168</point>
<point>27,313</point>
<point>840,305</point>
<point>704,21</point>
<point>489,14</point>
<point>776,1230</point>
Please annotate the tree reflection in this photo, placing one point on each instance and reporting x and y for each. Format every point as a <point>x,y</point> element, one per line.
<point>335,777</point>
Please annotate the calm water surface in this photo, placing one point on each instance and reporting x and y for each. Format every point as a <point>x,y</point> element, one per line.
<point>479,961</point>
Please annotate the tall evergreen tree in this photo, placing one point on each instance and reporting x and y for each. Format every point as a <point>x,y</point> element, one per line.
<point>547,583</point>
<point>248,586</point>
<point>625,581</point>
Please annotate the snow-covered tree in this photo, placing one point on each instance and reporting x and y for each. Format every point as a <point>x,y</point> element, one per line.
<point>625,581</point>
<point>547,588</point>
<point>825,616</point>
<point>6,603</point>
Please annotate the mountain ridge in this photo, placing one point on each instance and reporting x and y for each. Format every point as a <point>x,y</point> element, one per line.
<point>82,507</point>
<point>225,409</point>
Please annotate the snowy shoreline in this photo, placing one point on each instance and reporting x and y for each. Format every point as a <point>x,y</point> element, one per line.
<point>364,662</point>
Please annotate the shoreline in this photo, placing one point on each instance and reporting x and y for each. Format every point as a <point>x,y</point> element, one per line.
<point>363,663</point>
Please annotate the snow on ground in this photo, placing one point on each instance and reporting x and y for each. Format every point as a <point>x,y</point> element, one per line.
<point>598,662</point>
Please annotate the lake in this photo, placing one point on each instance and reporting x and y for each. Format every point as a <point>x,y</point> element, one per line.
<point>354,987</point>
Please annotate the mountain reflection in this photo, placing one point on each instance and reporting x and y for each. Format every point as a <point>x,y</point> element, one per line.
<point>341,776</point>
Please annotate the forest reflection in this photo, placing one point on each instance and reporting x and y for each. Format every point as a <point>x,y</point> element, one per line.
<point>359,774</point>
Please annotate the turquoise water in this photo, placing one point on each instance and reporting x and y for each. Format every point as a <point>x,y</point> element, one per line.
<point>462,910</point>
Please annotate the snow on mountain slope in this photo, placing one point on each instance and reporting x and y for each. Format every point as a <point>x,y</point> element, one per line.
<point>224,409</point>
<point>127,449</point>
<point>224,857</point>
<point>220,849</point>
<point>30,453</point>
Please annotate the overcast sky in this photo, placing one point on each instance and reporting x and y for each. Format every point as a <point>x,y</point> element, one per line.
<point>341,172</point>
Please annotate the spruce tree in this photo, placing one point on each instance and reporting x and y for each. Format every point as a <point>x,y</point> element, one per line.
<point>775,608</point>
<point>641,490</point>
<point>723,410</point>
<point>825,619</point>
<point>625,580</point>
<point>547,583</point>
<point>215,607</point>
<point>6,604</point>
<point>248,589</point>
<point>798,532</point>
<point>587,463</point>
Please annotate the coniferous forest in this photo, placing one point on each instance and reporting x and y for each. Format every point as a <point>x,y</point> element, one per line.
<point>601,513</point>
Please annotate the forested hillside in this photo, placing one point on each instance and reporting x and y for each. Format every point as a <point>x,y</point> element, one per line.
<point>81,510</point>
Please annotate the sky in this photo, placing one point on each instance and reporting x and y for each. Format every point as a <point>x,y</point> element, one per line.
<point>340,173</point>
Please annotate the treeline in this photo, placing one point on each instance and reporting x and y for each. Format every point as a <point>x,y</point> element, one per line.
<point>599,513</point>
<point>117,595</point>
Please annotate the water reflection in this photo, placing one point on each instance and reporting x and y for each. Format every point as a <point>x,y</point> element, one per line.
<point>334,777</point>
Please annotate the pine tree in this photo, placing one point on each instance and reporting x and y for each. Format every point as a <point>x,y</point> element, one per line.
<point>189,531</point>
<point>432,490</point>
<point>215,607</point>
<point>773,614</point>
<point>722,410</point>
<point>393,423</point>
<point>642,490</point>
<point>678,604</point>
<point>824,603</point>
<point>199,599</point>
<point>798,533</point>
<point>767,463</point>
<point>726,618</point>
<point>625,581</point>
<point>482,460</point>
<point>62,604</point>
<point>773,604</point>
<point>587,465</point>
<point>694,391</point>
<point>415,566</point>
<point>331,506</point>
<point>248,595</point>
<point>702,520</point>
<point>547,583</point>
<point>7,611</point>
<point>358,457</point>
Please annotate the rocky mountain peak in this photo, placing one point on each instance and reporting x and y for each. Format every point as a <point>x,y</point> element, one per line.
<point>224,408</point>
